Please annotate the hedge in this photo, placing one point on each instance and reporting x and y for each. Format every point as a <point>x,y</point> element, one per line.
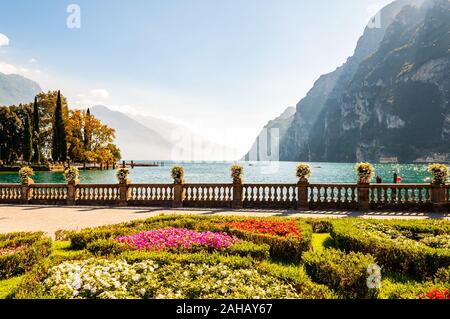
<point>35,246</point>
<point>347,274</point>
<point>396,246</point>
<point>105,247</point>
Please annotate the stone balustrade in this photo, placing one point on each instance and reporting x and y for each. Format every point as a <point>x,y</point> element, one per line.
<point>301,196</point>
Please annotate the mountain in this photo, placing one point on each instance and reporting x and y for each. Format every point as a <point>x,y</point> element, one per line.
<point>389,99</point>
<point>135,140</point>
<point>150,138</point>
<point>15,89</point>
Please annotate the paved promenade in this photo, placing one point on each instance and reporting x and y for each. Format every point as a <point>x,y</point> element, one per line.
<point>51,218</point>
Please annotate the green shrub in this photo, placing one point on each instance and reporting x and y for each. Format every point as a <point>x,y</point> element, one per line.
<point>443,276</point>
<point>395,244</point>
<point>27,249</point>
<point>347,274</point>
<point>105,247</point>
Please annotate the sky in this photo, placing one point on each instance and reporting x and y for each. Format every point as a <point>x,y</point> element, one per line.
<point>222,68</point>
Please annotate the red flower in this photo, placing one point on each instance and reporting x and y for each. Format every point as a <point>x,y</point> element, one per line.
<point>274,228</point>
<point>438,294</point>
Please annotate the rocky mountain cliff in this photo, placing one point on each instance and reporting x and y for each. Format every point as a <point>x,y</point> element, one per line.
<point>15,89</point>
<point>389,99</point>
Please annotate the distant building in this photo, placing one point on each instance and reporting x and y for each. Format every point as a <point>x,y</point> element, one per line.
<point>435,158</point>
<point>388,160</point>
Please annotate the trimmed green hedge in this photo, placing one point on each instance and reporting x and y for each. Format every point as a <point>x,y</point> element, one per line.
<point>397,245</point>
<point>105,247</point>
<point>347,274</point>
<point>35,247</point>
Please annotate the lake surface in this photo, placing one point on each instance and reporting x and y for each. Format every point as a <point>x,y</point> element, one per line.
<point>219,172</point>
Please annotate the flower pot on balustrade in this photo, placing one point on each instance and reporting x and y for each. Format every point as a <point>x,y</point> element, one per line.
<point>237,202</point>
<point>438,197</point>
<point>179,194</point>
<point>72,192</point>
<point>302,191</point>
<point>363,195</point>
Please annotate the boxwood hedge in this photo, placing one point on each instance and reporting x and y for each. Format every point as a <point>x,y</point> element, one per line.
<point>27,248</point>
<point>400,246</point>
<point>347,274</point>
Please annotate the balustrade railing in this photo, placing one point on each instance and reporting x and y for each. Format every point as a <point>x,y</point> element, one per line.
<point>302,196</point>
<point>333,196</point>
<point>399,195</point>
<point>10,193</point>
<point>269,195</point>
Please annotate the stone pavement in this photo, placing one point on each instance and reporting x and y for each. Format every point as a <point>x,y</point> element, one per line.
<point>51,218</point>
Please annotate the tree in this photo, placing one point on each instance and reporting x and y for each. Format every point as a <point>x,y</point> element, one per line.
<point>87,132</point>
<point>47,104</point>
<point>27,140</point>
<point>89,140</point>
<point>59,148</point>
<point>11,131</point>
<point>36,129</point>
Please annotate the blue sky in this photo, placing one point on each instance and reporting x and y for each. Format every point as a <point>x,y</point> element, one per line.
<point>222,67</point>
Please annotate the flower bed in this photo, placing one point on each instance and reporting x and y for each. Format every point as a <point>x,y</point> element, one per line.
<point>178,239</point>
<point>287,239</point>
<point>269,227</point>
<point>109,279</point>
<point>20,251</point>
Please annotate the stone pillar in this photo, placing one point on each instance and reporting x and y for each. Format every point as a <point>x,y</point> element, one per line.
<point>238,202</point>
<point>363,196</point>
<point>302,191</point>
<point>438,200</point>
<point>72,194</point>
<point>125,194</point>
<point>178,195</point>
<point>27,194</point>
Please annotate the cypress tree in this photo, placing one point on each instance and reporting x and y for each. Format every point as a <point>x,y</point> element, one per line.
<point>36,132</point>
<point>59,149</point>
<point>27,140</point>
<point>87,131</point>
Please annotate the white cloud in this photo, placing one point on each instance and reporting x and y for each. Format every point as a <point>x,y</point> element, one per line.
<point>100,93</point>
<point>32,60</point>
<point>7,68</point>
<point>92,98</point>
<point>4,40</point>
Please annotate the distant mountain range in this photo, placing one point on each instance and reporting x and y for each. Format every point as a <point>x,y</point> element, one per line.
<point>390,99</point>
<point>16,89</point>
<point>150,138</point>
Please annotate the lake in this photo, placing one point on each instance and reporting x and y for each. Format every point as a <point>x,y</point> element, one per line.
<point>219,172</point>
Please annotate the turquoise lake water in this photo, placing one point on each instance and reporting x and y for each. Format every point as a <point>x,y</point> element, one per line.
<point>277,172</point>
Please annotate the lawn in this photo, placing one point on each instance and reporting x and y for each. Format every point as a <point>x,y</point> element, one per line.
<point>232,257</point>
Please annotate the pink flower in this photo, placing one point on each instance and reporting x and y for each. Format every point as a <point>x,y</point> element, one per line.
<point>178,238</point>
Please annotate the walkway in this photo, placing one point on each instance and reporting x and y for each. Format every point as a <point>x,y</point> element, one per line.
<point>51,218</point>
